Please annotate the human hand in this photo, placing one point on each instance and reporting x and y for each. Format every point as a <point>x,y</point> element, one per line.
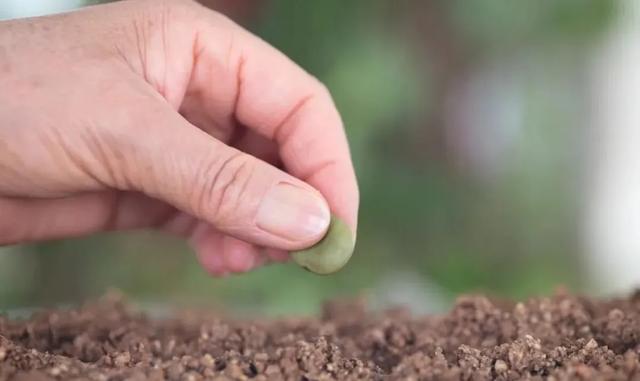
<point>163,114</point>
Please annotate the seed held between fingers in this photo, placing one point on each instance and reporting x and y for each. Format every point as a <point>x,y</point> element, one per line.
<point>331,253</point>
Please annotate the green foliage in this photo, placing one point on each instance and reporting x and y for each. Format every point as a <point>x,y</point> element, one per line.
<point>504,24</point>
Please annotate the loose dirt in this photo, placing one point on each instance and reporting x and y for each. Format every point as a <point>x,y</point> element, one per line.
<point>559,338</point>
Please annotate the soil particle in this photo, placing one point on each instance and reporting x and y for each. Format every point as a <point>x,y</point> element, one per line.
<point>563,337</point>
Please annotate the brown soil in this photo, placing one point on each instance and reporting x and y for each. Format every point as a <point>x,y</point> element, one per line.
<point>558,338</point>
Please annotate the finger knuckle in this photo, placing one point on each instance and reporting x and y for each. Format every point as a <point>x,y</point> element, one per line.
<point>224,186</point>
<point>323,90</point>
<point>163,10</point>
<point>318,88</point>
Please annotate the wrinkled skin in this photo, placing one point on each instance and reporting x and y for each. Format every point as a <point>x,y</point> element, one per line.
<point>166,115</point>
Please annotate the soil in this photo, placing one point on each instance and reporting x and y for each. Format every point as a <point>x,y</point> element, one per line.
<point>563,337</point>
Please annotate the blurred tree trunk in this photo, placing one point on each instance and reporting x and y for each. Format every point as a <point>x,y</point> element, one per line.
<point>438,43</point>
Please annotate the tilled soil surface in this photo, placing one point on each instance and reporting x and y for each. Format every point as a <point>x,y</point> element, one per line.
<point>559,338</point>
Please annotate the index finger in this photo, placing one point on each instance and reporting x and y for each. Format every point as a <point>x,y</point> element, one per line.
<point>279,100</point>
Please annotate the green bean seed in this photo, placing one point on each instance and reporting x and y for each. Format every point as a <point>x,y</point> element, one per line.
<point>331,253</point>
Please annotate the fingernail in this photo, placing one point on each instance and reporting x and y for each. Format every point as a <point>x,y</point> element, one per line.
<point>293,213</point>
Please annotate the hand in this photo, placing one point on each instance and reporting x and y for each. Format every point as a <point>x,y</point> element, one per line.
<point>163,114</point>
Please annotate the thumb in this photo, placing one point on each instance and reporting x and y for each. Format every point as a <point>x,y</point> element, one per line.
<point>237,193</point>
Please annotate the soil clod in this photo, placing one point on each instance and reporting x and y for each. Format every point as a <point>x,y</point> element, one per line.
<point>563,337</point>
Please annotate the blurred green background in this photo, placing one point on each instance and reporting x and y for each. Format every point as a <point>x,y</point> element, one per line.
<point>464,119</point>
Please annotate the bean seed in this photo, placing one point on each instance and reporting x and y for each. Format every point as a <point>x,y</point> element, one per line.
<point>331,253</point>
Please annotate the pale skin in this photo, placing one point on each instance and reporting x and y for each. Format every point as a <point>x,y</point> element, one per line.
<point>166,115</point>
